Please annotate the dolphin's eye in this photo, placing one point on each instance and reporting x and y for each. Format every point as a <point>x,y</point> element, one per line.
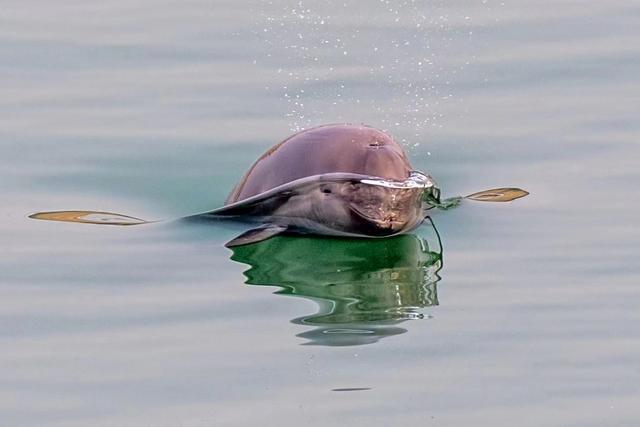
<point>326,190</point>
<point>375,143</point>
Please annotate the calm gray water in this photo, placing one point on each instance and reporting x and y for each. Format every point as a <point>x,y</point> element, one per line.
<point>525,313</point>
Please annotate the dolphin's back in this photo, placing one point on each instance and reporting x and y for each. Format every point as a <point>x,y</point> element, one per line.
<point>325,149</point>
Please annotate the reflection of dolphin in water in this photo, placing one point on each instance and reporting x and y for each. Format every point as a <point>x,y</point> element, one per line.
<point>363,287</point>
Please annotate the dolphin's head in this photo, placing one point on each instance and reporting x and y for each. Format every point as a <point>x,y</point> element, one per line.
<point>386,207</point>
<point>369,206</point>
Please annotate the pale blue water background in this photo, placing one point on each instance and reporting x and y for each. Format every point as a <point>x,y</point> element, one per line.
<point>154,109</point>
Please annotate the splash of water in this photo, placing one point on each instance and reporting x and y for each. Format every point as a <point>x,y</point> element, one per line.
<point>333,63</point>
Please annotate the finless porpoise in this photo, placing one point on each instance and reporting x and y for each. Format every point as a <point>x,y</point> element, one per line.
<point>336,180</point>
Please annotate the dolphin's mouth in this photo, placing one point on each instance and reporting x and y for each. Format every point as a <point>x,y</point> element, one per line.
<point>372,226</point>
<point>388,222</point>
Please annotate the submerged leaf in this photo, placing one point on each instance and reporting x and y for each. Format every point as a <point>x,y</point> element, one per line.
<point>431,197</point>
<point>450,203</point>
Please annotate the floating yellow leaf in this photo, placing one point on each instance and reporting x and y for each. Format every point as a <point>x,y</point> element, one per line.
<point>88,217</point>
<point>498,195</point>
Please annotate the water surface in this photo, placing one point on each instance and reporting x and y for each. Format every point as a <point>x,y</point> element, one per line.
<point>523,313</point>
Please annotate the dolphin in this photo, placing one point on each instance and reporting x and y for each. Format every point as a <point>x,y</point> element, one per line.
<point>334,180</point>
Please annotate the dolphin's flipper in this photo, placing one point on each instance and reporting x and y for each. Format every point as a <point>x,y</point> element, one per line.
<point>256,235</point>
<point>89,217</point>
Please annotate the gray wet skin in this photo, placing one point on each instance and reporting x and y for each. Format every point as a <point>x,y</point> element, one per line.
<point>324,149</point>
<point>312,182</point>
